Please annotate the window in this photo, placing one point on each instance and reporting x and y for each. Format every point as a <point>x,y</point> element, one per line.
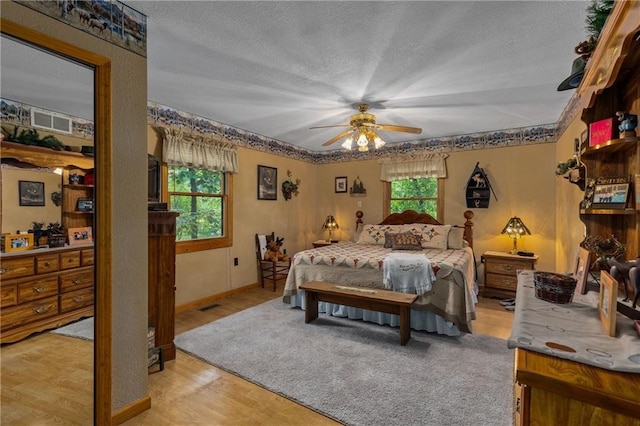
<point>424,195</point>
<point>203,199</point>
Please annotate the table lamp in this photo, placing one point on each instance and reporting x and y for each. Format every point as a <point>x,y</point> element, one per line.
<point>330,224</point>
<point>515,228</point>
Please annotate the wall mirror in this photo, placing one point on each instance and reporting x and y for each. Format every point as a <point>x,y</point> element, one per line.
<point>56,77</point>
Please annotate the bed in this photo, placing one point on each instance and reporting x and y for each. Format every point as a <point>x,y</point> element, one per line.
<point>448,307</point>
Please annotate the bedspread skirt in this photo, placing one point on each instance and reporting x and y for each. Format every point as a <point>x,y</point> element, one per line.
<point>449,308</point>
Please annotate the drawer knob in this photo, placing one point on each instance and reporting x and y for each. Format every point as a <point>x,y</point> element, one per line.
<point>38,289</point>
<point>70,261</point>
<point>3,270</point>
<point>508,267</point>
<point>47,264</point>
<point>77,281</point>
<point>42,309</point>
<point>78,299</point>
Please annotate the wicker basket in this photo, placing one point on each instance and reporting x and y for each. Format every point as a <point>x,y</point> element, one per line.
<point>554,288</point>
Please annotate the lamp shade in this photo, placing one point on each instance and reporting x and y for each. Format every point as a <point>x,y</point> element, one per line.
<point>515,228</point>
<point>330,223</point>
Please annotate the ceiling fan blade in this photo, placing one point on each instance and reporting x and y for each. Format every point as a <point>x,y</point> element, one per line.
<point>337,138</point>
<point>336,125</point>
<point>394,128</point>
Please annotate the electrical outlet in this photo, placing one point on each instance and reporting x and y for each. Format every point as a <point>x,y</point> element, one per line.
<point>235,261</point>
<point>359,203</point>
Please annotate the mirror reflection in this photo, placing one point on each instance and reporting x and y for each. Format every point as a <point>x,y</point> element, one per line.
<point>47,271</point>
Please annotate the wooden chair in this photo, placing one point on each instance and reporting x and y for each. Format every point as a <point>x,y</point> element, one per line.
<point>269,270</point>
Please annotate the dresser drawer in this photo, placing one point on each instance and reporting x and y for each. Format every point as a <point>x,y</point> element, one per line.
<point>86,257</point>
<point>37,288</point>
<point>8,295</point>
<point>506,282</point>
<point>75,280</point>
<point>14,268</point>
<point>46,263</point>
<point>29,312</point>
<point>507,266</point>
<point>76,299</point>
<point>70,259</point>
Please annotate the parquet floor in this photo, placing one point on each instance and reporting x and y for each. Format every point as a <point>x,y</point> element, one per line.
<point>47,379</point>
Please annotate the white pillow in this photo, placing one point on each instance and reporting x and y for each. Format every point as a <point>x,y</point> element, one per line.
<point>433,236</point>
<point>456,238</point>
<point>374,234</point>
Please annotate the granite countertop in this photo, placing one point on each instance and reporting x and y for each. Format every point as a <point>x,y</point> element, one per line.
<point>572,331</point>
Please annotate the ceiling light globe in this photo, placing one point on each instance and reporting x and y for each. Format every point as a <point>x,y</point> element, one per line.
<point>348,143</point>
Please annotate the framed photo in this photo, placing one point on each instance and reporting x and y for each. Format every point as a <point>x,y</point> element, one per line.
<point>341,184</point>
<point>18,242</point>
<point>80,235</point>
<point>267,183</point>
<point>581,272</point>
<point>608,302</point>
<point>610,196</point>
<point>84,205</point>
<point>31,193</point>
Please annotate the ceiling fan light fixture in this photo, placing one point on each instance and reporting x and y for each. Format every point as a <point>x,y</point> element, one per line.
<point>348,143</point>
<point>362,139</point>
<point>378,142</point>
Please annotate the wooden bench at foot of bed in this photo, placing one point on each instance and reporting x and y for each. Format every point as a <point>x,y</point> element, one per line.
<point>389,302</point>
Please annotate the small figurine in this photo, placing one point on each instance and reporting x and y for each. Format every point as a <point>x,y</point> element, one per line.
<point>628,124</point>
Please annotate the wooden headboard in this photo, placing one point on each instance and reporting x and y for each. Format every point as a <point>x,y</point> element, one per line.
<point>411,216</point>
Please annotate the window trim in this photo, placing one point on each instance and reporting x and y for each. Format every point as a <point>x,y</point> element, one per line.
<point>386,197</point>
<point>227,213</point>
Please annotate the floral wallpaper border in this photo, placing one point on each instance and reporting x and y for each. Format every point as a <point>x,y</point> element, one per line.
<point>164,116</point>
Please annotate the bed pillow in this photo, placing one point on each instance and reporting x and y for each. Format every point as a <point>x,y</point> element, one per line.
<point>405,241</point>
<point>433,236</point>
<point>456,238</point>
<point>374,234</point>
<point>388,241</point>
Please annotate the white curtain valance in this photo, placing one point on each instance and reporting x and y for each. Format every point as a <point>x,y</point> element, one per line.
<point>413,167</point>
<point>181,148</point>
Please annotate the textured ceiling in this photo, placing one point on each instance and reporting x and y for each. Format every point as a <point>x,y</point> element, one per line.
<point>278,68</point>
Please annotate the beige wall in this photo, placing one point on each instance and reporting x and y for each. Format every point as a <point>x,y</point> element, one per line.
<point>129,209</point>
<point>16,217</point>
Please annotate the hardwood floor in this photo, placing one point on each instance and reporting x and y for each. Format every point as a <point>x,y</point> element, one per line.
<point>188,391</point>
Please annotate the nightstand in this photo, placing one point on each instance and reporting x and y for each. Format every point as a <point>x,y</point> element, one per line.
<point>500,279</point>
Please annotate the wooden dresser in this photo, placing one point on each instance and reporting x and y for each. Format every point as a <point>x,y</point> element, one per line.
<point>500,269</point>
<point>162,279</point>
<point>44,289</point>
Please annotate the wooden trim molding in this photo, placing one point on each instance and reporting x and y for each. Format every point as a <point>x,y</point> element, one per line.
<point>131,410</point>
<point>102,94</point>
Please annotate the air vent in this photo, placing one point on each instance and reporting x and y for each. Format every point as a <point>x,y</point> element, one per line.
<point>49,120</point>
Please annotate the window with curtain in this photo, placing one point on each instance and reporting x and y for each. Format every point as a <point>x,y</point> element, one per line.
<point>414,182</point>
<point>199,182</point>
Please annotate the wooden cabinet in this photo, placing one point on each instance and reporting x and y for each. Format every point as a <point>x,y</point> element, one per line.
<point>72,217</point>
<point>556,391</point>
<point>500,278</point>
<point>611,84</point>
<point>162,272</point>
<point>44,289</point>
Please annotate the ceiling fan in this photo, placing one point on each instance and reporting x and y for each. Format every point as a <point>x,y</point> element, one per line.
<point>363,130</point>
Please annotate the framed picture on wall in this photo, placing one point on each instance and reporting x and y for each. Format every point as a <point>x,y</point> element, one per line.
<point>267,183</point>
<point>341,184</point>
<point>31,193</point>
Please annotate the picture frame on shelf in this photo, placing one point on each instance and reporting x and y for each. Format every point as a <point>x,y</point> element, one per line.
<point>267,183</point>
<point>341,184</point>
<point>608,302</point>
<point>18,242</point>
<point>31,193</point>
<point>610,195</point>
<point>84,205</point>
<point>587,201</point>
<point>82,235</point>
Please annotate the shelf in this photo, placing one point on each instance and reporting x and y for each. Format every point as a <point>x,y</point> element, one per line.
<point>609,211</point>
<point>77,186</point>
<point>45,157</point>
<point>610,146</point>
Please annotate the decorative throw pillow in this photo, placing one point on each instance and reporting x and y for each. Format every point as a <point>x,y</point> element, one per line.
<point>374,234</point>
<point>388,242</point>
<point>405,241</point>
<point>433,236</point>
<point>456,238</point>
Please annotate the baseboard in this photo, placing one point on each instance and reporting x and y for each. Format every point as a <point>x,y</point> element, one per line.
<point>128,412</point>
<point>210,299</point>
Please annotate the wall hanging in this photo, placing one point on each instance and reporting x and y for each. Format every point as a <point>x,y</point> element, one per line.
<point>478,190</point>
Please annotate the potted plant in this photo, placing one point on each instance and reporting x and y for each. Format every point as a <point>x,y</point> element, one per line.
<point>37,231</point>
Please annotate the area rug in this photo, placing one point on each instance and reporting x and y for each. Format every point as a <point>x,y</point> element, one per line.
<point>82,329</point>
<point>356,372</point>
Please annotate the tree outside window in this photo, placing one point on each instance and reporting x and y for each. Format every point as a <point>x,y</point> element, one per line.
<point>422,195</point>
<point>200,197</point>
